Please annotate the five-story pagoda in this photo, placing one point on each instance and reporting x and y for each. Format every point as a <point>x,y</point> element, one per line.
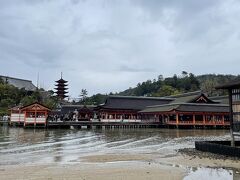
<point>61,88</point>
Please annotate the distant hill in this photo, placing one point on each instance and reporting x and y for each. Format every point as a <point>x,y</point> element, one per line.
<point>186,82</point>
<point>183,83</point>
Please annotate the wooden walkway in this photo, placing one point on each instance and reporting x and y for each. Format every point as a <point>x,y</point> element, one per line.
<point>115,125</point>
<point>99,125</point>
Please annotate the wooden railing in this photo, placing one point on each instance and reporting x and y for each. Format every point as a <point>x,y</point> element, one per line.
<point>198,123</point>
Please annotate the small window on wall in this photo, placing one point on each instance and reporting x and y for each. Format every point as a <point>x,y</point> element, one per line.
<point>236,117</point>
<point>236,94</point>
<point>236,109</point>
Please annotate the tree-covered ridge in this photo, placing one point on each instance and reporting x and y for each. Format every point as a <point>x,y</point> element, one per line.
<point>176,84</point>
<point>164,86</point>
<point>180,84</point>
<point>208,82</point>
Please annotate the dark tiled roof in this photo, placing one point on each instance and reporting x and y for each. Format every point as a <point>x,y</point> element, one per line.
<point>185,99</point>
<point>192,98</point>
<point>185,94</point>
<point>187,107</point>
<point>20,83</point>
<point>133,102</point>
<point>16,108</point>
<point>231,85</point>
<point>220,99</point>
<point>161,108</point>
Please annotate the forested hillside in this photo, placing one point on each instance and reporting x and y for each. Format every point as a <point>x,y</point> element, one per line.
<point>176,84</point>
<point>180,84</point>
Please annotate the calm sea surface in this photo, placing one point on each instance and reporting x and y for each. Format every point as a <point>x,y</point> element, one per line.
<point>29,146</point>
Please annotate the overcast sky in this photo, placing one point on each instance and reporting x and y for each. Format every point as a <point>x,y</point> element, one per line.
<point>109,45</point>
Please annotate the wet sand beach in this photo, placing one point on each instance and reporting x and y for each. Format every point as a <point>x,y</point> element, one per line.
<point>119,154</point>
<point>127,171</point>
<point>126,167</point>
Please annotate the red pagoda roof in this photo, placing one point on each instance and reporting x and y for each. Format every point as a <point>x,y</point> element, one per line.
<point>61,88</point>
<point>61,81</point>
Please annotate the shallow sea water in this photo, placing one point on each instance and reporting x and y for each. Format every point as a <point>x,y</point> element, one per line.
<point>40,146</point>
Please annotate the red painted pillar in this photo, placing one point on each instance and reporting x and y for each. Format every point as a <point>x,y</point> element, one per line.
<point>25,116</point>
<point>177,119</point>
<point>194,119</point>
<point>204,119</point>
<point>45,118</point>
<point>35,117</point>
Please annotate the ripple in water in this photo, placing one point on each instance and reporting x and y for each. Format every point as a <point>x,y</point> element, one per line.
<point>26,146</point>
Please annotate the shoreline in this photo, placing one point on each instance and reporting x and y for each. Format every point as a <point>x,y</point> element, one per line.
<point>91,171</point>
<point>124,166</point>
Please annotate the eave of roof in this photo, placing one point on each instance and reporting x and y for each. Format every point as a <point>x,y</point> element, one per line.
<point>141,97</point>
<point>72,105</point>
<point>231,85</point>
<point>185,94</point>
<point>15,78</point>
<point>220,99</point>
<point>177,106</point>
<point>133,102</point>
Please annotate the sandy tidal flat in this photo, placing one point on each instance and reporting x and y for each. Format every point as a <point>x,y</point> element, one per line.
<point>121,167</point>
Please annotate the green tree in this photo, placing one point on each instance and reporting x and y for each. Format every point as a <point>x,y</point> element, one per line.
<point>166,90</point>
<point>51,102</point>
<point>83,96</point>
<point>1,81</point>
<point>28,100</point>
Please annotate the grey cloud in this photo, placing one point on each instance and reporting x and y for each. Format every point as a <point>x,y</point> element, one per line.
<point>125,68</point>
<point>110,45</point>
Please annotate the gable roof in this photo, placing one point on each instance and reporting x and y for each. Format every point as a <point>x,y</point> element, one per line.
<point>35,104</point>
<point>133,102</point>
<point>19,83</point>
<point>187,107</point>
<point>193,97</point>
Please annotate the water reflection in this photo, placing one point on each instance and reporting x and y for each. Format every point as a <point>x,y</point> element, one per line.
<point>24,146</point>
<point>210,173</point>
